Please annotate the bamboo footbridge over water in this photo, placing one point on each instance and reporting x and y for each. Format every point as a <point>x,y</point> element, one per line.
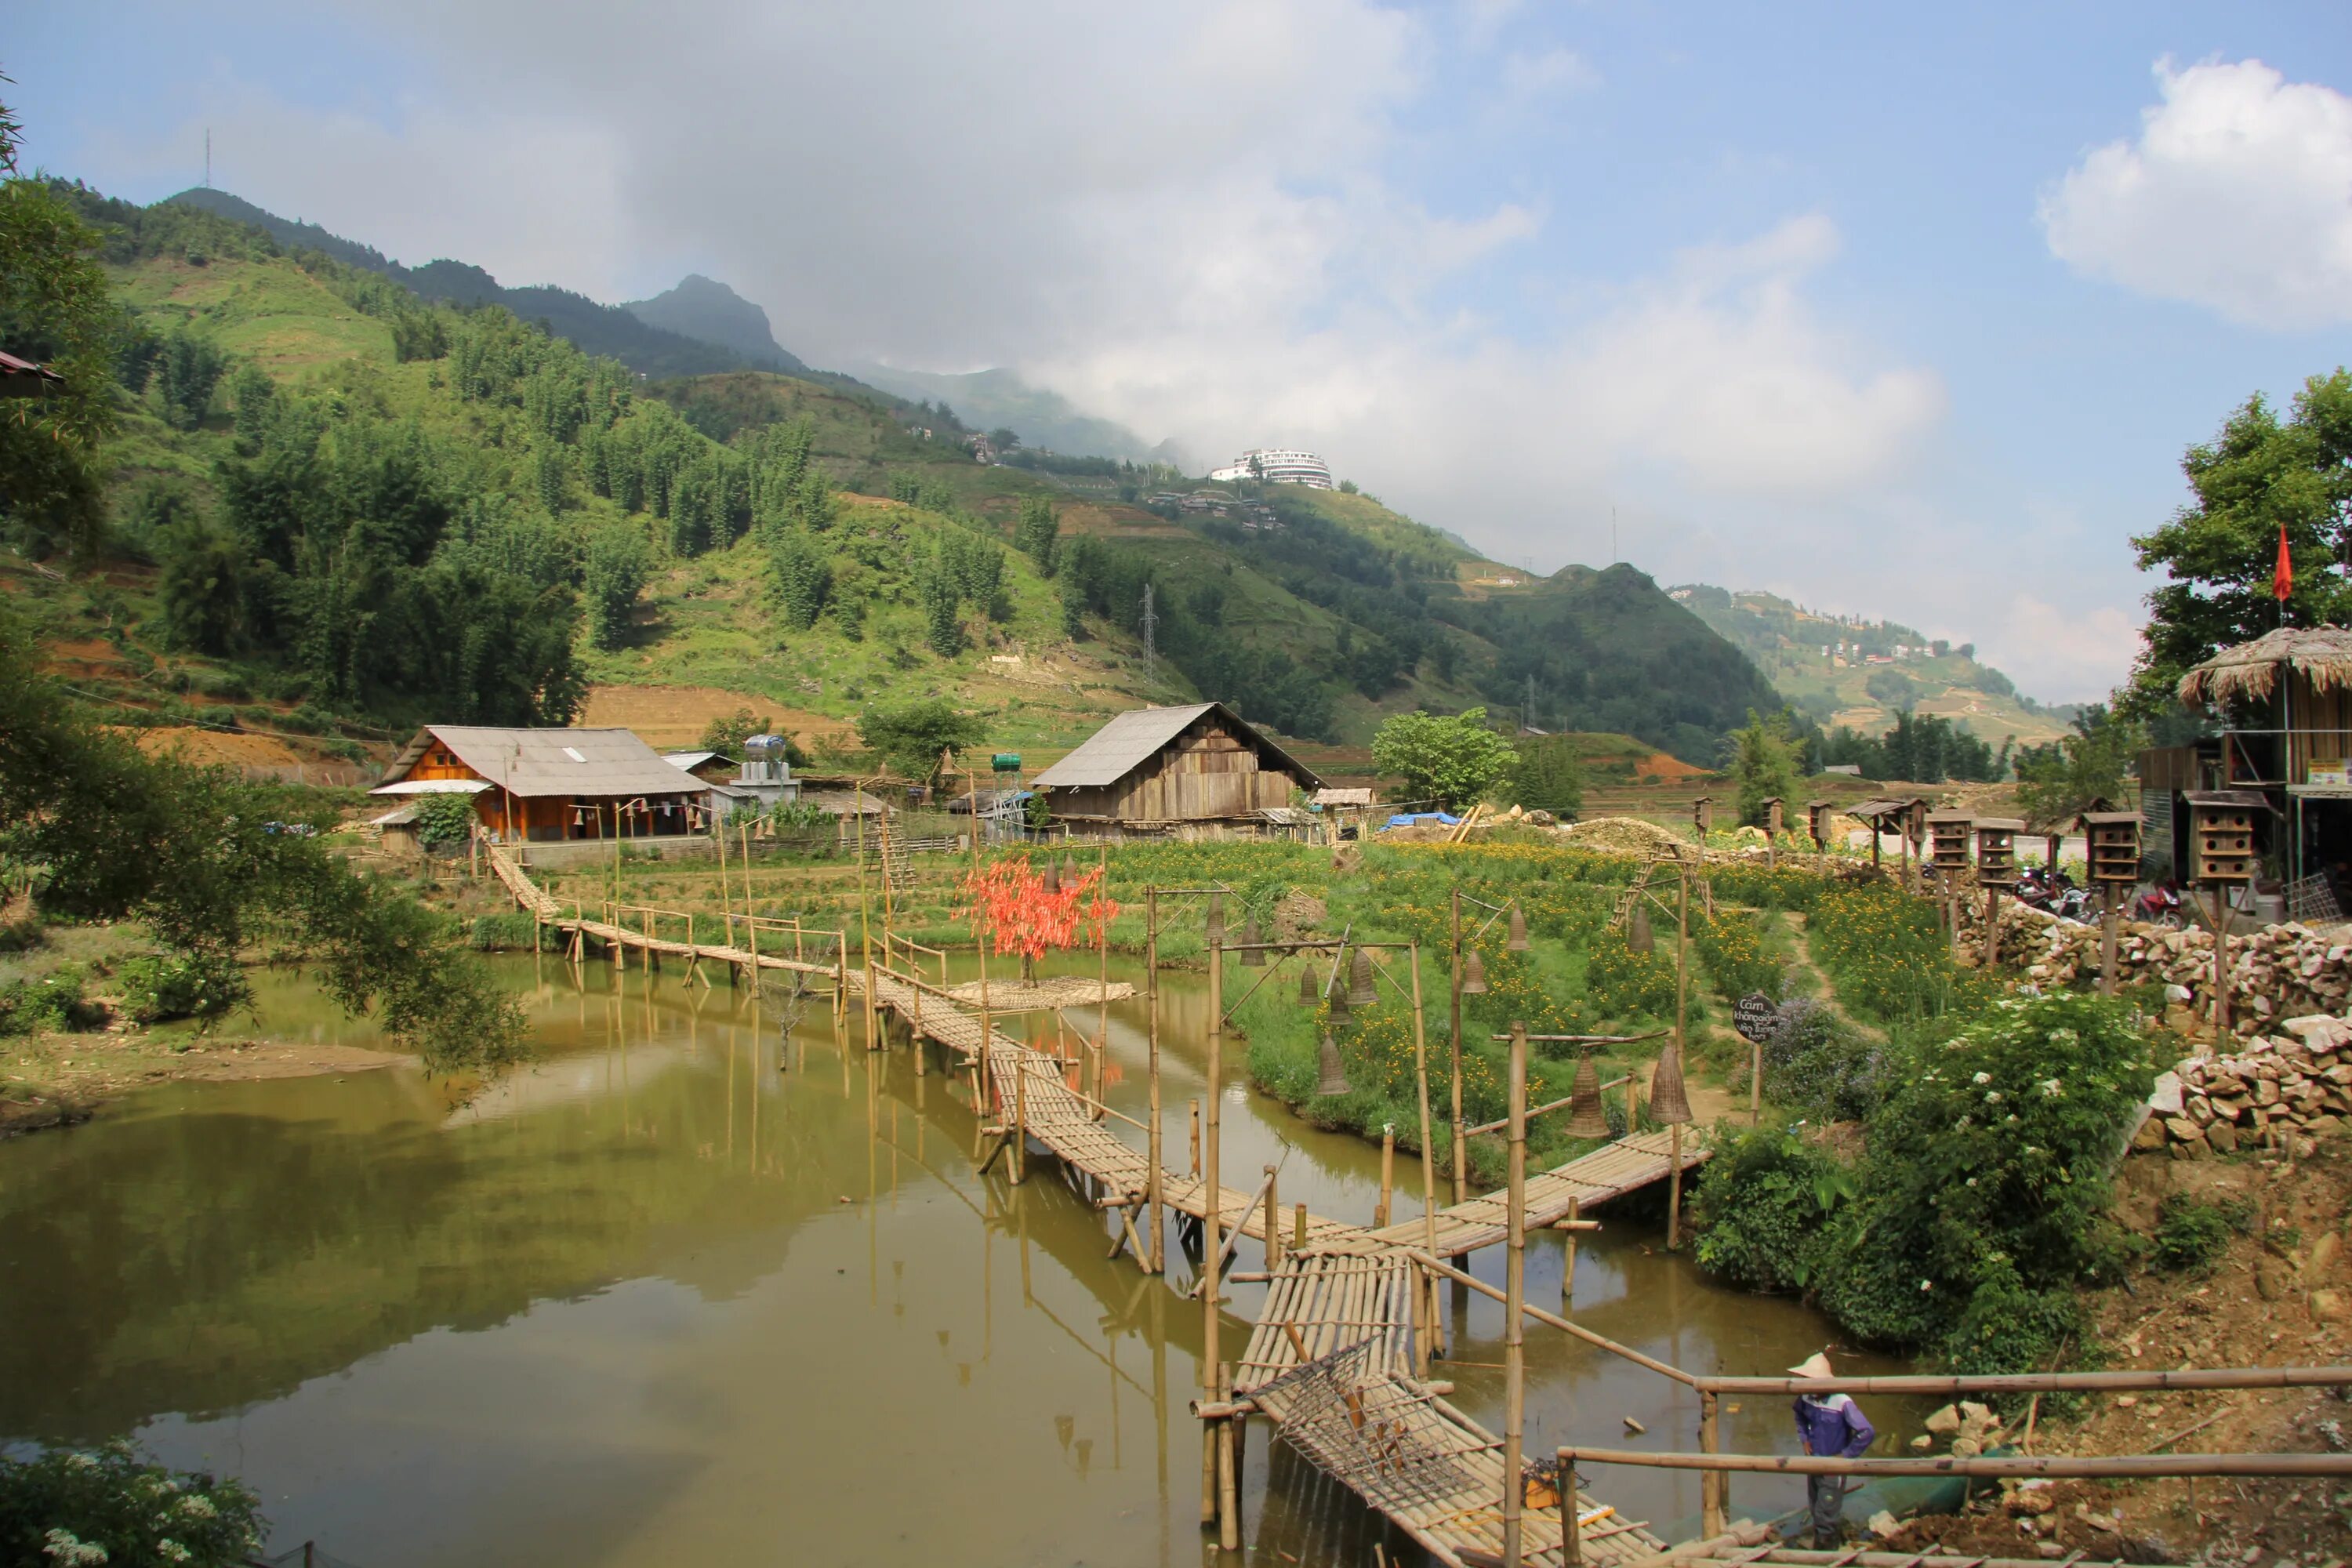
<point>1340,1359</point>
<point>1349,1312</point>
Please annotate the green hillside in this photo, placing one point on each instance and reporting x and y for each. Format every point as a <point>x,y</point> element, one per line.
<point>337,508</point>
<point>1886,668</point>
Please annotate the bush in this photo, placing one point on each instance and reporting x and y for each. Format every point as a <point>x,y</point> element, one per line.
<point>2190,1233</point>
<point>1763,1205</point>
<point>52,1003</point>
<point>65,1507</point>
<point>514,931</point>
<point>180,985</point>
<point>444,820</point>
<point>1821,1067</point>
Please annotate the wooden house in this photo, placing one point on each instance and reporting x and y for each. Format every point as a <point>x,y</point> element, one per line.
<point>1157,769</point>
<point>544,786</point>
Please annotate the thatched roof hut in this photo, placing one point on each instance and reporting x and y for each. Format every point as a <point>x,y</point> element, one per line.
<point>2249,671</point>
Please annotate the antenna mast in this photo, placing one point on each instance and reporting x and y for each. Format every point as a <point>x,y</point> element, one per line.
<point>208,157</point>
<point>1150,628</point>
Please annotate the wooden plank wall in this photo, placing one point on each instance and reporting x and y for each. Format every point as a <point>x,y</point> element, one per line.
<point>1207,774</point>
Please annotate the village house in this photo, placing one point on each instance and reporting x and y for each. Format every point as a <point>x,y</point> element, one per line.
<point>1160,769</point>
<point>548,785</point>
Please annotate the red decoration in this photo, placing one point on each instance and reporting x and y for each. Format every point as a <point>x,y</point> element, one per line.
<point>1014,908</point>
<point>2283,575</point>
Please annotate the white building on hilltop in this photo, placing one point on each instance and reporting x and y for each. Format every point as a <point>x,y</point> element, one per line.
<point>1277,465</point>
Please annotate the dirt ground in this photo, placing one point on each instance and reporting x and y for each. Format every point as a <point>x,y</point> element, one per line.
<point>2278,1298</point>
<point>217,746</point>
<point>674,717</point>
<point>53,1081</point>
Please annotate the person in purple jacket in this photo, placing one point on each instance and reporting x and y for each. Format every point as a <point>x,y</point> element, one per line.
<point>1828,1425</point>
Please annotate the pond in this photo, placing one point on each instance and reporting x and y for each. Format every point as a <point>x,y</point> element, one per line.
<point>707,1282</point>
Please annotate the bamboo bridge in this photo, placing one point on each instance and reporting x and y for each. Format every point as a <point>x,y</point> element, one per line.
<point>1339,1360</point>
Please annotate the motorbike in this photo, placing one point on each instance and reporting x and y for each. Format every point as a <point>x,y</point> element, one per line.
<point>2160,906</point>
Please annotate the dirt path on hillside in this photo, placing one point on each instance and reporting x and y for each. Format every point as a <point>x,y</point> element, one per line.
<point>1802,945</point>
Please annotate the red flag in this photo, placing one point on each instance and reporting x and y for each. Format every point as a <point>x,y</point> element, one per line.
<point>2282,577</point>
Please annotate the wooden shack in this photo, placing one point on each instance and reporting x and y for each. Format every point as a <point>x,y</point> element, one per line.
<point>1155,770</point>
<point>541,786</point>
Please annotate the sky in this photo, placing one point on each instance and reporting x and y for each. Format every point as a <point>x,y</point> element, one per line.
<point>1897,310</point>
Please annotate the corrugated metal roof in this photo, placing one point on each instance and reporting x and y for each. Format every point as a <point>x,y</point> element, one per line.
<point>431,786</point>
<point>690,761</point>
<point>1134,738</point>
<point>1359,796</point>
<point>536,762</point>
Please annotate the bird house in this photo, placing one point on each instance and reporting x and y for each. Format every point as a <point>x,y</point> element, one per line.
<point>1774,822</point>
<point>1948,841</point>
<point>1817,820</point>
<point>2221,834</point>
<point>2113,838</point>
<point>1703,813</point>
<point>1997,851</point>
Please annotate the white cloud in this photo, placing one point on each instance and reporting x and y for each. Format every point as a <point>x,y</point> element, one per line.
<point>2237,197</point>
<point>1548,71</point>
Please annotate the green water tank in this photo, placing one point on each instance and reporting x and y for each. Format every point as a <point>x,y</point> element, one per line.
<point>1007,762</point>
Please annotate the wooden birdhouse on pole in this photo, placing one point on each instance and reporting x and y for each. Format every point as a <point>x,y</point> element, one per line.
<point>2111,839</point>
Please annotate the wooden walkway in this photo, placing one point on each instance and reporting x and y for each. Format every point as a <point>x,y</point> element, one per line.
<point>1330,1361</point>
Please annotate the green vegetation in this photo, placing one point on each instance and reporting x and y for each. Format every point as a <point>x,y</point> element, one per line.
<point>2191,1234</point>
<point>1450,761</point>
<point>1981,1201</point>
<point>917,738</point>
<point>1918,748</point>
<point>1547,776</point>
<point>2081,769</point>
<point>1764,766</point>
<point>65,1507</point>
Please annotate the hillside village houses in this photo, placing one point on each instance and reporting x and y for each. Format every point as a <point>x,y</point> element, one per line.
<point>1199,769</point>
<point>549,785</point>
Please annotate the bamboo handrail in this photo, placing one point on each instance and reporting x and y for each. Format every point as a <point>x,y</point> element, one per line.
<point>1599,1340</point>
<point>2053,1465</point>
<point>2042,1382</point>
<point>1540,1109</point>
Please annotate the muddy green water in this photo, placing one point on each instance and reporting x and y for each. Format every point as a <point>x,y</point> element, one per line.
<point>706,1283</point>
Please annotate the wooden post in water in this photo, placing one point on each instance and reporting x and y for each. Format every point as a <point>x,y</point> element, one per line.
<point>1388,1175</point>
<point>1212,1221</point>
<point>1273,1224</point>
<point>1568,1264</point>
<point>1194,1107</point>
<point>1155,1235</point>
<point>1714,1488</point>
<point>1426,1344</point>
<point>1102,973</point>
<point>1514,1292</point>
<point>1461,1150</point>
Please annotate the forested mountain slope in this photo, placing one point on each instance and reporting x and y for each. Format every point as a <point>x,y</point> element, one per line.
<point>340,507</point>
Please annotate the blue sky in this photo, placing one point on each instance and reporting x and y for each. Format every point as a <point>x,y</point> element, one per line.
<point>1898,311</point>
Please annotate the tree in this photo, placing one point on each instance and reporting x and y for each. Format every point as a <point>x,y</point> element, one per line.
<point>911,738</point>
<point>1038,534</point>
<point>1012,907</point>
<point>203,859</point>
<point>2058,782</point>
<point>59,1506</point>
<point>1763,765</point>
<point>1548,775</point>
<point>186,373</point>
<point>1004,439</point>
<point>1452,761</point>
<point>619,561</point>
<point>2261,474</point>
<point>803,578</point>
<point>56,309</point>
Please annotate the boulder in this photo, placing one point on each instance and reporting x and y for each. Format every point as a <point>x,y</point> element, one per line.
<point>1944,1422</point>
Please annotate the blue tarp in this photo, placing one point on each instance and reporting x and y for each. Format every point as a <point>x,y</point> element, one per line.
<point>1414,818</point>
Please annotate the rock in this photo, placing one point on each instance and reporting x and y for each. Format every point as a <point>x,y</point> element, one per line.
<point>1922,1443</point>
<point>2123,1401</point>
<point>1631,1426</point>
<point>1882,1524</point>
<point>2323,1254</point>
<point>2150,1134</point>
<point>1943,1423</point>
<point>2328,1307</point>
<point>2273,1279</point>
<point>2049,1549</point>
<point>2222,1137</point>
<point>1962,1447</point>
<point>2023,1504</point>
<point>2163,1100</point>
<point>2183,1130</point>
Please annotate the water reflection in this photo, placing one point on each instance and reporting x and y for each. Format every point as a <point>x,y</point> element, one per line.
<point>710,1279</point>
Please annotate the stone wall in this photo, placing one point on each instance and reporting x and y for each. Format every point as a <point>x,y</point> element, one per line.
<point>2295,1084</point>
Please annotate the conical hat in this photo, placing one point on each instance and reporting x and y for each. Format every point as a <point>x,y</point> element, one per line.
<point>1814,1365</point>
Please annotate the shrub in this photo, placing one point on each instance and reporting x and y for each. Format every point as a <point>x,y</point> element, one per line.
<point>180,985</point>
<point>53,1002</point>
<point>1820,1067</point>
<point>1763,1203</point>
<point>444,820</point>
<point>62,1506</point>
<point>2190,1233</point>
<point>514,931</point>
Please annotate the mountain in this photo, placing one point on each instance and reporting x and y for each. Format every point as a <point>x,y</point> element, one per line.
<point>1000,399</point>
<point>1859,672</point>
<point>610,330</point>
<point>704,308</point>
<point>343,506</point>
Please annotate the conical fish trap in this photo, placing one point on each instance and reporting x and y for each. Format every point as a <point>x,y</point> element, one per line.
<point>1519,941</point>
<point>1215,928</point>
<point>1252,955</point>
<point>1473,974</point>
<point>1361,992</point>
<point>1053,876</point>
<point>1637,928</point>
<point>1586,1118</point>
<point>1308,994</point>
<point>1336,998</point>
<point>1669,1104</point>
<point>1334,1078</point>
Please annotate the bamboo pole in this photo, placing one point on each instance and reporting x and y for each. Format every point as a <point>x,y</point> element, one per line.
<point>1102,974</point>
<point>725,891</point>
<point>2057,1466</point>
<point>1228,1504</point>
<point>1154,1195</point>
<point>1426,1345</point>
<point>1682,1059</point>
<point>1568,1263</point>
<point>864,912</point>
<point>1388,1175</point>
<point>2111,897</point>
<point>1193,1106</point>
<point>1213,1189</point>
<point>1713,1493</point>
<point>1515,1288</point>
<point>1273,1224</point>
<point>2044,1382</point>
<point>1461,1143</point>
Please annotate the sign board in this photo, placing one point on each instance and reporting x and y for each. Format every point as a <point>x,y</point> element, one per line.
<point>1755,1017</point>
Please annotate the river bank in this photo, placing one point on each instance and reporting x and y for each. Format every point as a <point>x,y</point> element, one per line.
<point>51,1079</point>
